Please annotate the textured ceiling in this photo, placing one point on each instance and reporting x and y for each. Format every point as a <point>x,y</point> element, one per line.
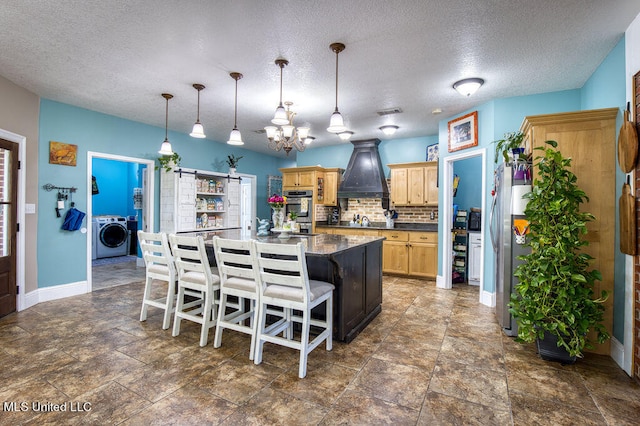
<point>118,56</point>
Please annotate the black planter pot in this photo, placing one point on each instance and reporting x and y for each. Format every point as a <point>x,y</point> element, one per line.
<point>549,351</point>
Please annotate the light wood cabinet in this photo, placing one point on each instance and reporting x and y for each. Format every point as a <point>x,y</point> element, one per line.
<point>410,253</point>
<point>332,179</point>
<point>589,139</point>
<point>414,184</point>
<point>423,254</point>
<point>299,178</point>
<point>395,251</point>
<point>356,231</point>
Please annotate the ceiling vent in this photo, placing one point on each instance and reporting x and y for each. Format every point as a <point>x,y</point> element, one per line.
<point>396,110</point>
<point>260,131</point>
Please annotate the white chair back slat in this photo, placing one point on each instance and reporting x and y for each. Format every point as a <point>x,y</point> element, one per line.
<point>159,264</point>
<point>277,262</point>
<point>194,274</point>
<point>284,284</point>
<point>237,266</point>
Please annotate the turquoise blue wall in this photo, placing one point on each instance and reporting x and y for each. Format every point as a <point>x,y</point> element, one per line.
<point>606,89</point>
<point>63,258</point>
<point>469,193</point>
<point>116,181</point>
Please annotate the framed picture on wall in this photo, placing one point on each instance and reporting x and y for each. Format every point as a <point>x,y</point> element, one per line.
<point>463,132</point>
<point>432,152</point>
<point>62,153</point>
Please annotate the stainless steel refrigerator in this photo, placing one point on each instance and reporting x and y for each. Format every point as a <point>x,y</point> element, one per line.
<point>510,183</point>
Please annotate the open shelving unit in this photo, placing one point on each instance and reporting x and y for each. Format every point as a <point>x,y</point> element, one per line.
<point>460,253</point>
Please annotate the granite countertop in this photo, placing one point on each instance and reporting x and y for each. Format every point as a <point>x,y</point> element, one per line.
<point>399,226</point>
<point>315,245</point>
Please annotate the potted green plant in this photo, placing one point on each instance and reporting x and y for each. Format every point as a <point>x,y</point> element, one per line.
<point>506,146</point>
<point>232,161</point>
<point>555,298</point>
<point>168,162</point>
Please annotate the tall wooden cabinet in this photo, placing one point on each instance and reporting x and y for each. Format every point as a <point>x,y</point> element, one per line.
<point>589,138</point>
<point>332,178</point>
<point>414,184</point>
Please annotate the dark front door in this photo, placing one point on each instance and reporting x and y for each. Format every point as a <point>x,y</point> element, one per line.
<point>8,228</point>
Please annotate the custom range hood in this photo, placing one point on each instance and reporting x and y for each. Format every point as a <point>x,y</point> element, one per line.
<point>364,177</point>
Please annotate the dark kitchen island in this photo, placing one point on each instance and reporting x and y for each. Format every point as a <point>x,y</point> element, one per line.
<point>352,263</point>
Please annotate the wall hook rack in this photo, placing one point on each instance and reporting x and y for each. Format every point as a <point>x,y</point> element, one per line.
<point>70,189</point>
<point>63,194</point>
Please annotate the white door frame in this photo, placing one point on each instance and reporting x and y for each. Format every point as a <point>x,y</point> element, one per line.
<point>254,191</point>
<point>148,197</point>
<point>447,219</point>
<point>20,243</point>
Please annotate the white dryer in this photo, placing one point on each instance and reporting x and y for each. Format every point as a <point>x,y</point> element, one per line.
<point>110,236</point>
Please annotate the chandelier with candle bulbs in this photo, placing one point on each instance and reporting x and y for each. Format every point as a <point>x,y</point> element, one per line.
<point>284,134</point>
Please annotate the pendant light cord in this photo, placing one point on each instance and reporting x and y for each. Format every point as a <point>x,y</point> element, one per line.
<point>166,121</point>
<point>281,67</point>
<point>198,118</point>
<point>337,53</point>
<point>235,114</point>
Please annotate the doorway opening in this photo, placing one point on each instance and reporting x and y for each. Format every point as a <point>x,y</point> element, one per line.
<point>123,188</point>
<point>248,210</point>
<point>447,222</point>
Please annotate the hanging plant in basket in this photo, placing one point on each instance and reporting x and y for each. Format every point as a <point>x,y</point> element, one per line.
<point>555,295</point>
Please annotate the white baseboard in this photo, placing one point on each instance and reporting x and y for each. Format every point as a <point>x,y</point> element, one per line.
<point>440,281</point>
<point>617,353</point>
<point>488,299</point>
<point>45,294</point>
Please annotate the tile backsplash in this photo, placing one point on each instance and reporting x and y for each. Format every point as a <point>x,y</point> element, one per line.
<point>372,208</point>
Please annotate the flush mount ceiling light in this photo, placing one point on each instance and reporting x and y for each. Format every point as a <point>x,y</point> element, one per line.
<point>235,138</point>
<point>286,136</point>
<point>165,149</point>
<point>389,129</point>
<point>468,86</point>
<point>346,135</point>
<point>336,123</point>
<point>198,129</point>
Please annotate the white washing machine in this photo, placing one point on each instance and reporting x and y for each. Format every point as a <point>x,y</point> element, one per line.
<point>110,236</point>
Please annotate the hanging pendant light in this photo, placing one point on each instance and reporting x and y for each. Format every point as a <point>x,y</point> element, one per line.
<point>235,138</point>
<point>336,123</point>
<point>165,149</point>
<point>281,118</point>
<point>198,129</point>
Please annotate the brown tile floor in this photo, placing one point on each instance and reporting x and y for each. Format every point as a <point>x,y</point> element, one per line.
<point>110,275</point>
<point>431,357</point>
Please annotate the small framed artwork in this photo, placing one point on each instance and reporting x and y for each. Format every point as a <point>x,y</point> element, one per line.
<point>432,152</point>
<point>463,132</point>
<point>62,153</point>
